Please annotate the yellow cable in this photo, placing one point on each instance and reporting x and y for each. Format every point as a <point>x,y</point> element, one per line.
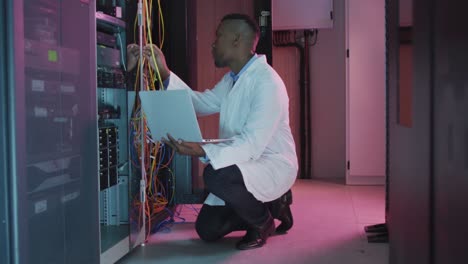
<point>162,23</point>
<point>153,166</point>
<point>157,199</point>
<point>149,185</point>
<point>159,25</point>
<point>134,29</point>
<point>152,54</point>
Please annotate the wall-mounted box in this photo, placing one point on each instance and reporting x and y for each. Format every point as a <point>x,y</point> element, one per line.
<point>301,14</point>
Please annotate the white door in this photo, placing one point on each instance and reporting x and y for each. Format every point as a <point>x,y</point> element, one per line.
<point>365,91</point>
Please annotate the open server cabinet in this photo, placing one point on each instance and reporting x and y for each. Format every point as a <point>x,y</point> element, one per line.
<point>70,191</point>
<point>134,201</point>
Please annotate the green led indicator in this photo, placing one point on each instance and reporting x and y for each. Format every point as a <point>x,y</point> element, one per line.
<point>52,55</point>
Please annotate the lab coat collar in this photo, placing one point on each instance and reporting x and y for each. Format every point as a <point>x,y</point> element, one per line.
<point>236,77</point>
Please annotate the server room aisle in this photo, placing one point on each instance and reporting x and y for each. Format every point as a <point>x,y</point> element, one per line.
<point>329,228</point>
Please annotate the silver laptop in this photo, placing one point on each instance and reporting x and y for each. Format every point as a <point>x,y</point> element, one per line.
<point>172,112</point>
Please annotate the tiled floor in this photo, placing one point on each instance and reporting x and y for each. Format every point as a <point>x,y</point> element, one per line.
<point>329,221</point>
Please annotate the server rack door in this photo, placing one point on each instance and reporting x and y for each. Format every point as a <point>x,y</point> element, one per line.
<point>4,244</point>
<point>52,103</point>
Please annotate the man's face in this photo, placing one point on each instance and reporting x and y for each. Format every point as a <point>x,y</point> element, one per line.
<point>223,45</point>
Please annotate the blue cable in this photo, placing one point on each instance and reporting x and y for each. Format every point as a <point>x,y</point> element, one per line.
<point>163,225</point>
<point>160,162</point>
<point>193,209</point>
<point>133,154</point>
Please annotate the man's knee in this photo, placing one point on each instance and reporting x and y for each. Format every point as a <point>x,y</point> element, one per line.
<point>206,232</point>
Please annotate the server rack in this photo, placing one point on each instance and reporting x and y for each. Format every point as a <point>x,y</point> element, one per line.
<point>52,157</point>
<point>119,232</point>
<point>52,207</point>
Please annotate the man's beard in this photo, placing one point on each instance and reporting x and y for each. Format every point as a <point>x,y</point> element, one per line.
<point>219,63</point>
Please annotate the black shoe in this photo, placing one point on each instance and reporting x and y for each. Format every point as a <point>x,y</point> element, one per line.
<point>257,236</point>
<point>286,221</point>
<point>280,210</point>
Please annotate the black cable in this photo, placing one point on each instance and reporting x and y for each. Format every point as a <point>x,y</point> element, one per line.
<point>308,121</point>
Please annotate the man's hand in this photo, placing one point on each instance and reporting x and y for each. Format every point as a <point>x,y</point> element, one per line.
<point>148,51</point>
<point>133,54</point>
<point>184,148</point>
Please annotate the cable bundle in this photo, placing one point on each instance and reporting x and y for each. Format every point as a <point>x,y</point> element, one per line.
<point>148,157</point>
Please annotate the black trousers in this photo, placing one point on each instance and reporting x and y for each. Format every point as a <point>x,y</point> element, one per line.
<point>242,209</point>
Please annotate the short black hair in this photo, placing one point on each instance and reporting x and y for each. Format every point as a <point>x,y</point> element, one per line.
<point>247,19</point>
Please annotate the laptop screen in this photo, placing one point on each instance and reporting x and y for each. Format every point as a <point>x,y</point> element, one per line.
<point>170,111</point>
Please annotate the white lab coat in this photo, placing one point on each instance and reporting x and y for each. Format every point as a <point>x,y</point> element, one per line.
<point>255,113</point>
